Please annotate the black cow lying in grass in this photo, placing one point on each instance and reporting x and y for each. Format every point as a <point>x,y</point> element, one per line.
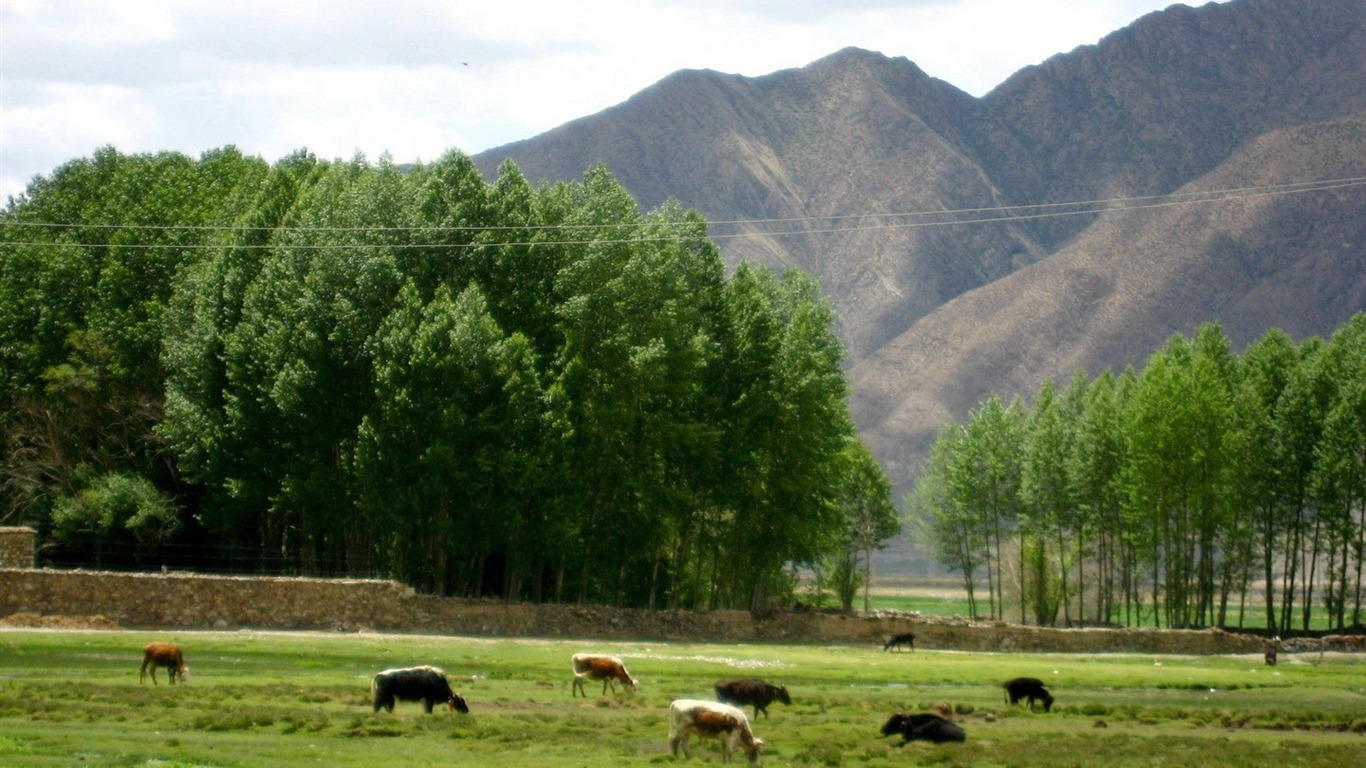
<point>751,692</point>
<point>924,726</point>
<point>1028,688</point>
<point>425,684</point>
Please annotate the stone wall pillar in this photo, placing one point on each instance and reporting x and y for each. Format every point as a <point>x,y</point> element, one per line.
<point>17,547</point>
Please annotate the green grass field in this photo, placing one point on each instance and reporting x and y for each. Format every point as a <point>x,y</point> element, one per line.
<point>282,699</point>
<point>943,597</point>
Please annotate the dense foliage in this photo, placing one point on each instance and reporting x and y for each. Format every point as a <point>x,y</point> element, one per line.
<point>1205,487</point>
<point>478,388</point>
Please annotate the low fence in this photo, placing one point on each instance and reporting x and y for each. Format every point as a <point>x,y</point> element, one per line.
<point>198,601</point>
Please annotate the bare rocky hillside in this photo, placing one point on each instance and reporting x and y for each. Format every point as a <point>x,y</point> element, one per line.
<point>846,168</point>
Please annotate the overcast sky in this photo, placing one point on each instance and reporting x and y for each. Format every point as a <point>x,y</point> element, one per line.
<point>417,77</point>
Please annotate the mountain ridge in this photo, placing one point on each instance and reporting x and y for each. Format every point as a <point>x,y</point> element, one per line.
<point>856,149</point>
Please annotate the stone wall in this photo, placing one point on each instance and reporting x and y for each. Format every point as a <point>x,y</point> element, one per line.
<point>195,600</point>
<point>203,601</point>
<point>17,546</point>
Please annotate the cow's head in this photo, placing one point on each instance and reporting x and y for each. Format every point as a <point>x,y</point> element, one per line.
<point>895,724</point>
<point>781,693</point>
<point>183,673</point>
<point>752,750</point>
<point>457,703</point>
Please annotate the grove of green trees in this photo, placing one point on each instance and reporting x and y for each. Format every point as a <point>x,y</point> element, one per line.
<point>485,389</point>
<point>1208,488</point>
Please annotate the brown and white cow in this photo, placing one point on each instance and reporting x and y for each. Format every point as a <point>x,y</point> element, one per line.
<point>166,655</point>
<point>608,669</point>
<point>713,720</point>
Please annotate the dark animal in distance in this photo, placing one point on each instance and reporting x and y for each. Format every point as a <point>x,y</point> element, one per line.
<point>923,726</point>
<point>895,641</point>
<point>425,684</point>
<point>751,692</point>
<point>608,669</point>
<point>1028,688</point>
<point>715,720</point>
<point>166,655</point>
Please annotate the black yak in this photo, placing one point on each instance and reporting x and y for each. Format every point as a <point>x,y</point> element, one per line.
<point>896,641</point>
<point>425,684</point>
<point>751,692</point>
<point>1028,688</point>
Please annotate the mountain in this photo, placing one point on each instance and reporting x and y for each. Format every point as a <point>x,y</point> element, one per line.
<point>946,228</point>
<point>855,132</point>
<point>1128,282</point>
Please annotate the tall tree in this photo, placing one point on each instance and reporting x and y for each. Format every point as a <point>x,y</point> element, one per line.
<point>1094,466</point>
<point>1300,414</point>
<point>1339,477</point>
<point>1257,482</point>
<point>871,518</point>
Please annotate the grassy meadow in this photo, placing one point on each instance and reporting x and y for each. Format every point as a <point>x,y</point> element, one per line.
<point>283,699</point>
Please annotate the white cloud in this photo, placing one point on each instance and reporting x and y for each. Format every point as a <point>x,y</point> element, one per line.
<point>418,77</point>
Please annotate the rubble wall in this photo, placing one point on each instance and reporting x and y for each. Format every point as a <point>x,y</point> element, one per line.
<point>204,601</point>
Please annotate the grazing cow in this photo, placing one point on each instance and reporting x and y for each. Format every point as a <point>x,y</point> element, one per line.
<point>713,719</point>
<point>425,684</point>
<point>924,726</point>
<point>166,655</point>
<point>756,693</point>
<point>1272,648</point>
<point>895,641</point>
<point>608,669</point>
<point>1028,688</point>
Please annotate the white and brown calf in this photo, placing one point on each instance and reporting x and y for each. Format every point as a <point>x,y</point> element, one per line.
<point>608,669</point>
<point>711,719</point>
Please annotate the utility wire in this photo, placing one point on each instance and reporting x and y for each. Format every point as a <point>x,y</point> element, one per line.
<point>751,227</point>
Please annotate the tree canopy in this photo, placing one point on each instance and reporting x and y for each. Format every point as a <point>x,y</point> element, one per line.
<point>477,388</point>
<point>1186,494</point>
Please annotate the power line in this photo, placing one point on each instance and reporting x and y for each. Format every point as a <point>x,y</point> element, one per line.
<point>919,219</point>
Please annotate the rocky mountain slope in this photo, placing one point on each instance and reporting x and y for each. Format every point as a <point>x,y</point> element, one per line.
<point>917,206</point>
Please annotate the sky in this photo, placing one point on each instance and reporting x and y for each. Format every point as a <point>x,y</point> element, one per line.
<point>416,78</point>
